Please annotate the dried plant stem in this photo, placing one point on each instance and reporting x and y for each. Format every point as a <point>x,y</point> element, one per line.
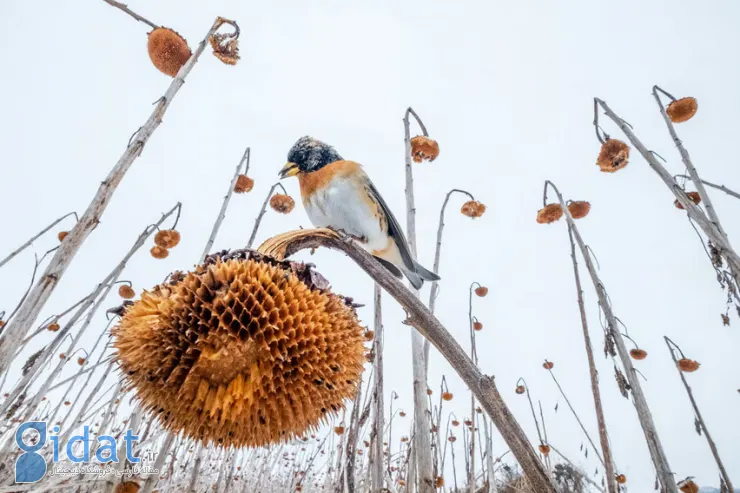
<point>607,460</point>
<point>699,418</point>
<point>482,386</point>
<point>38,297</point>
<point>710,226</point>
<point>152,479</point>
<point>422,440</point>
<point>200,451</point>
<point>585,478</point>
<point>34,238</point>
<point>379,408</point>
<point>643,410</point>
<point>258,220</point>
<point>225,205</point>
<point>723,188</point>
<point>131,13</point>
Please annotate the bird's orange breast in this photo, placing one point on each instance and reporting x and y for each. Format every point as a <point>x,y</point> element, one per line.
<point>319,179</point>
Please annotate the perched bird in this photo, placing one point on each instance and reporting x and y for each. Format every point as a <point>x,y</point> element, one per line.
<point>338,194</point>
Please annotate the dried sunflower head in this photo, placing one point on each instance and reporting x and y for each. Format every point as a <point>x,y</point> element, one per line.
<point>243,184</point>
<point>281,203</point>
<point>167,238</point>
<point>693,196</point>
<point>225,47</point>
<point>168,50</point>
<point>481,291</point>
<point>688,365</point>
<point>446,396</point>
<point>688,486</point>
<point>243,351</point>
<point>424,148</point>
<point>544,449</point>
<point>62,235</point>
<point>339,430</point>
<point>80,361</point>
<point>53,327</point>
<point>579,209</point>
<point>682,110</point>
<point>638,354</point>
<point>477,326</point>
<point>473,209</point>
<point>452,438</point>
<point>520,389</point>
<point>621,478</point>
<point>549,214</point>
<point>127,487</point>
<point>126,292</point>
<point>455,422</point>
<point>614,155</point>
<point>439,482</point>
<point>159,252</point>
<point>547,365</point>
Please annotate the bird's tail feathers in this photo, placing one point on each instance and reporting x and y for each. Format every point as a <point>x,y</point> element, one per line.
<point>425,274</point>
<point>415,279</point>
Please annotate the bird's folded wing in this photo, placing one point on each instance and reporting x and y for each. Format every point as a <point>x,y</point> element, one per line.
<point>394,229</point>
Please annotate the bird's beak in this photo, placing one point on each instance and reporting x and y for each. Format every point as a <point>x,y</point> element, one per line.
<point>290,169</point>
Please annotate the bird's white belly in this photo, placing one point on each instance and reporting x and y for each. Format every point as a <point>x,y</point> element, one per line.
<point>339,205</point>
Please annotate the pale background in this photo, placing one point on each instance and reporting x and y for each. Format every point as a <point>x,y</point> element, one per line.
<point>507,91</point>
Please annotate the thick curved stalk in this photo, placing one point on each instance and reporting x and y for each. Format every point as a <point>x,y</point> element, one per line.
<point>657,453</point>
<point>482,386</point>
<point>17,329</point>
<point>422,441</point>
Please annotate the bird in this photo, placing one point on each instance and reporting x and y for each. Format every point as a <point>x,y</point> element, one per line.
<point>338,194</point>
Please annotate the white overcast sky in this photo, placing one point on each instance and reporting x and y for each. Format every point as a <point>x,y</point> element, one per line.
<point>505,87</point>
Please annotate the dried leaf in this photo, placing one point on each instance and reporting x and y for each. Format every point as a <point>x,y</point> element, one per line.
<point>624,386</point>
<point>697,426</point>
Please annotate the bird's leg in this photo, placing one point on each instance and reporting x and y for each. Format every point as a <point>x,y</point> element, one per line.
<point>347,237</point>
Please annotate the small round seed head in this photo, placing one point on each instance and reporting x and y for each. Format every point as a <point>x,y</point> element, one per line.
<point>477,326</point>
<point>544,449</point>
<point>688,486</point>
<point>62,355</point>
<point>62,235</point>
<point>404,439</point>
<point>168,50</point>
<point>126,292</point>
<point>473,209</point>
<point>53,327</point>
<point>621,478</point>
<point>424,148</point>
<point>549,214</point>
<point>579,209</point>
<point>439,482</point>
<point>159,252</point>
<point>614,155</point>
<point>430,391</point>
<point>547,365</point>
<point>67,403</point>
<point>281,203</point>
<point>481,291</point>
<point>243,184</point>
<point>369,335</point>
<point>2,324</point>
<point>520,389</point>
<point>127,487</point>
<point>167,238</point>
<point>682,110</point>
<point>80,361</point>
<point>688,365</point>
<point>455,422</point>
<point>638,354</point>
<point>275,354</point>
<point>693,196</point>
<point>446,396</point>
<point>402,414</point>
<point>467,422</point>
<point>452,438</point>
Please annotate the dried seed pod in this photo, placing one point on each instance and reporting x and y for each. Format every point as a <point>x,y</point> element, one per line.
<point>481,291</point>
<point>53,327</point>
<point>62,355</point>
<point>369,335</point>
<point>67,403</point>
<point>274,355</point>
<point>579,209</point>
<point>725,320</point>
<point>452,438</point>
<point>693,196</point>
<point>225,47</point>
<point>549,214</point>
<point>168,50</point>
<point>430,391</point>
<point>62,235</point>
<point>638,354</point>
<point>547,365</point>
<point>281,203</point>
<point>167,238</point>
<point>424,148</point>
<point>446,396</point>
<point>243,184</point>
<point>467,422</point>
<point>159,252</point>
<point>688,365</point>
<point>520,389</point>
<point>477,326</point>
<point>688,486</point>
<point>128,487</point>
<point>682,110</point>
<point>472,208</point>
<point>402,414</point>
<point>80,361</point>
<point>621,478</point>
<point>401,482</point>
<point>439,482</point>
<point>404,439</point>
<point>544,449</point>
<point>2,324</point>
<point>455,422</point>
<point>126,292</point>
<point>614,155</point>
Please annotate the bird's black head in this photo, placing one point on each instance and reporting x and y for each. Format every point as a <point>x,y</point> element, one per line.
<point>307,155</point>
